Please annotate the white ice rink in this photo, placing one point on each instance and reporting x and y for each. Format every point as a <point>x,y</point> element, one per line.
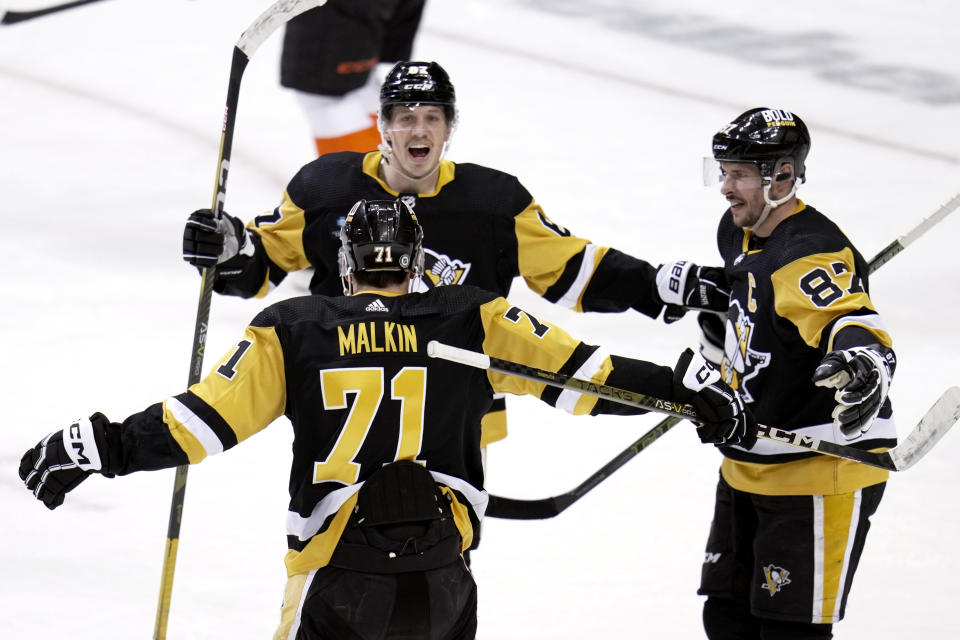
<point>109,125</point>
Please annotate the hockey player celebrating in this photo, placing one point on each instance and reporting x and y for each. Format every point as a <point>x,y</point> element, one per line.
<point>386,480</point>
<point>483,227</point>
<point>805,346</point>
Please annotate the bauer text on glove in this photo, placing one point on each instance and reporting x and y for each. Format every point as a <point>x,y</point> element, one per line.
<point>684,285</point>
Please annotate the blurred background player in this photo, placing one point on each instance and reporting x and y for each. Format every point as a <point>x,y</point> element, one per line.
<point>334,58</point>
<point>805,346</point>
<point>483,227</point>
<point>386,480</point>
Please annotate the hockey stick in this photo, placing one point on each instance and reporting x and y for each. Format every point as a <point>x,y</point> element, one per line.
<point>908,238</point>
<point>269,21</point>
<point>13,17</point>
<point>537,508</point>
<point>937,421</point>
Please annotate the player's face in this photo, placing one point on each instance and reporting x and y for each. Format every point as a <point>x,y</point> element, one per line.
<point>417,134</point>
<point>742,186</point>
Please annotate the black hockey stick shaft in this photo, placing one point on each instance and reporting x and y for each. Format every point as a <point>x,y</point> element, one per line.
<point>650,403</point>
<point>537,508</point>
<point>268,22</point>
<point>13,17</point>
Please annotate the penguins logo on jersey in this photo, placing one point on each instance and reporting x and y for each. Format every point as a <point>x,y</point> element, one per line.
<point>440,270</point>
<point>777,578</point>
<point>741,363</point>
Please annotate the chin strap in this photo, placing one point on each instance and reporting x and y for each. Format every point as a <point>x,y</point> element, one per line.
<point>771,204</point>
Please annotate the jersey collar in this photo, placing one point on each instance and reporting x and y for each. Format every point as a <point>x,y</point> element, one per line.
<point>371,164</point>
<point>748,233</point>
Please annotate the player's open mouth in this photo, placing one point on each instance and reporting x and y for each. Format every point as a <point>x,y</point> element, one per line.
<point>419,152</point>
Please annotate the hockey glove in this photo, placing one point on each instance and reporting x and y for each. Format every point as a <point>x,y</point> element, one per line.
<point>207,241</point>
<point>713,332</point>
<point>861,376</point>
<point>723,417</point>
<point>683,285</point>
<point>64,459</point>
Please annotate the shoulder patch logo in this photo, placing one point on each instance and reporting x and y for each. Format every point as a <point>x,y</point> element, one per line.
<point>376,305</point>
<point>440,270</point>
<point>777,578</point>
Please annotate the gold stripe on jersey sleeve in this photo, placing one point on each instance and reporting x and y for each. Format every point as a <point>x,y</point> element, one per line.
<point>188,442</point>
<point>813,291</point>
<point>530,341</point>
<point>318,551</point>
<point>283,238</point>
<point>250,393</point>
<point>871,323</point>
<point>542,250</point>
<point>819,475</point>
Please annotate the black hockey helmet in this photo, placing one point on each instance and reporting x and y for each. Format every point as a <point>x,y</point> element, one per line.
<point>412,83</point>
<point>767,138</point>
<point>381,235</point>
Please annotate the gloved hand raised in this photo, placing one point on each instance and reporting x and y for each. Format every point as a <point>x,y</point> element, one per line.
<point>684,285</point>
<point>64,459</point>
<point>861,376</point>
<point>723,417</point>
<point>207,241</point>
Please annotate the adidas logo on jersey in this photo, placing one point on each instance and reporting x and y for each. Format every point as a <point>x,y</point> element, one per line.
<point>376,305</point>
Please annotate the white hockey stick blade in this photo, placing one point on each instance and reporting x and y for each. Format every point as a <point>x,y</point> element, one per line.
<point>938,420</point>
<point>277,14</point>
<point>456,354</point>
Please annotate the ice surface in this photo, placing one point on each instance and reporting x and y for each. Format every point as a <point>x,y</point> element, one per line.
<point>110,124</point>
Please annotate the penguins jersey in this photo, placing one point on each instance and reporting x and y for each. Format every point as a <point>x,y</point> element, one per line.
<point>481,227</point>
<point>353,377</point>
<point>792,294</point>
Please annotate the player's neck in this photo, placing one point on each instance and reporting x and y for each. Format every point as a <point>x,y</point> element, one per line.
<point>778,215</point>
<point>400,182</point>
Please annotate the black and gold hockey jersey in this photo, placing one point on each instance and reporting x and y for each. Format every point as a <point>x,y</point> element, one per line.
<point>353,377</point>
<point>481,227</point>
<point>792,294</point>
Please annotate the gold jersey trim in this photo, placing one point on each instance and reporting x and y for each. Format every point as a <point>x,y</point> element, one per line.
<point>282,237</point>
<point>819,475</point>
<point>815,290</point>
<point>371,167</point>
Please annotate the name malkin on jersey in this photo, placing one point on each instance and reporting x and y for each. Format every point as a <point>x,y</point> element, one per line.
<point>377,337</point>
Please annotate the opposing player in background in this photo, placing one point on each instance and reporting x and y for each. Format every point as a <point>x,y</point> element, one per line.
<point>334,57</point>
<point>483,227</point>
<point>806,347</point>
<point>386,481</point>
